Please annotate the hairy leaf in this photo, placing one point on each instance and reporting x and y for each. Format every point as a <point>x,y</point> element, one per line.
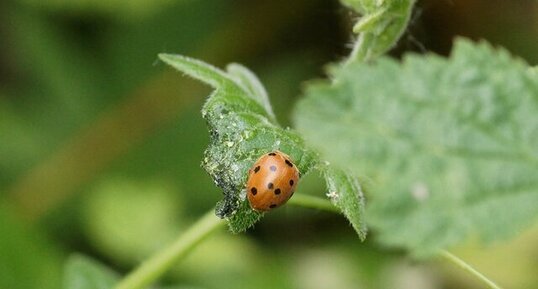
<point>447,147</point>
<point>84,273</point>
<point>345,193</point>
<point>242,127</point>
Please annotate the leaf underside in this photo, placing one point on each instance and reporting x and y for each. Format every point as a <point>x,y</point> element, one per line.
<point>448,148</point>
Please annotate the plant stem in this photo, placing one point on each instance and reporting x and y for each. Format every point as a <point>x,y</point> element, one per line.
<point>158,264</point>
<point>322,204</point>
<point>463,265</point>
<point>360,48</point>
<point>312,202</point>
<point>380,28</point>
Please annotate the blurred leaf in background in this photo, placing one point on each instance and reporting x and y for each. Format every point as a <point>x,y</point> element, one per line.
<point>27,258</point>
<point>448,146</point>
<point>128,220</point>
<point>129,9</point>
<point>84,273</point>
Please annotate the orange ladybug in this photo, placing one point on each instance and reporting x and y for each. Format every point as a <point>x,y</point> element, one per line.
<point>271,181</point>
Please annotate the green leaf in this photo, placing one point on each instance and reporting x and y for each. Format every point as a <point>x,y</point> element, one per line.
<point>345,193</point>
<point>251,85</point>
<point>108,222</point>
<point>448,147</point>
<point>84,273</point>
<point>242,127</point>
<point>357,5</point>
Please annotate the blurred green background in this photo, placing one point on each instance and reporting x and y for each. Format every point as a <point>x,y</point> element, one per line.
<point>100,143</point>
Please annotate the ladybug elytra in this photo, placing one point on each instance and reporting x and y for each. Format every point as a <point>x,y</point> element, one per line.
<point>272,181</point>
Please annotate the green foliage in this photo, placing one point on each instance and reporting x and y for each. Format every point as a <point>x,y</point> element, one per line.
<point>116,204</point>
<point>131,9</point>
<point>242,127</point>
<point>448,147</point>
<point>380,26</point>
<point>84,273</point>
<point>27,258</point>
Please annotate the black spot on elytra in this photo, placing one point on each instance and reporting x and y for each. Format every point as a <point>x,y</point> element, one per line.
<point>272,154</point>
<point>291,182</point>
<point>277,192</point>
<point>288,163</point>
<point>256,169</point>
<point>272,206</point>
<point>270,186</point>
<point>272,168</point>
<point>254,191</point>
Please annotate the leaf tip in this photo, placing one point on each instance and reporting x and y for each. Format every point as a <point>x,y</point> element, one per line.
<point>166,58</point>
<point>362,231</point>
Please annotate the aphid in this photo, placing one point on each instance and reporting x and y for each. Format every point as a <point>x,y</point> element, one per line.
<point>271,181</point>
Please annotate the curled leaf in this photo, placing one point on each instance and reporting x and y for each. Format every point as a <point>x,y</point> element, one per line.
<point>242,127</point>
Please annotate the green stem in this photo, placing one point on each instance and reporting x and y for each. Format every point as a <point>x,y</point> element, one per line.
<point>380,28</point>
<point>158,264</point>
<point>361,47</point>
<point>463,265</point>
<point>312,202</point>
<point>323,204</point>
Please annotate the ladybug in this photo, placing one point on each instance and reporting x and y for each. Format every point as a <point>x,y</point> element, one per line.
<point>271,181</point>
